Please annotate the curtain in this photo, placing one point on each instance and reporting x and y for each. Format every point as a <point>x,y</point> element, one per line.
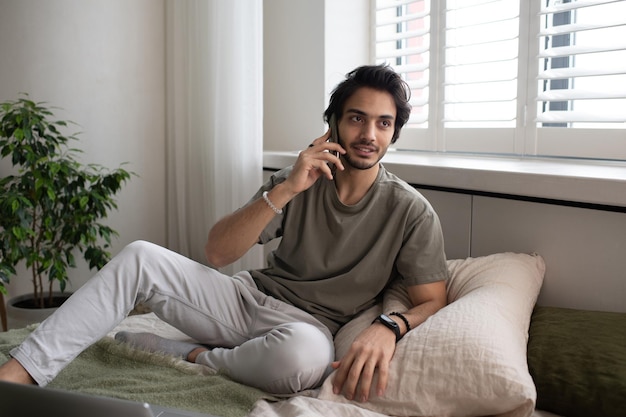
<point>213,118</point>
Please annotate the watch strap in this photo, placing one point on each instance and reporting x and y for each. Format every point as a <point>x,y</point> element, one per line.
<point>390,324</point>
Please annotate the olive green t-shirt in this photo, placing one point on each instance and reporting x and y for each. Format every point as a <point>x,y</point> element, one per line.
<point>334,260</point>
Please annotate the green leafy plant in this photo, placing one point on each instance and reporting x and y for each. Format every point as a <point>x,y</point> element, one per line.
<point>51,206</point>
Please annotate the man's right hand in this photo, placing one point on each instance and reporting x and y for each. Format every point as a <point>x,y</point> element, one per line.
<point>312,163</point>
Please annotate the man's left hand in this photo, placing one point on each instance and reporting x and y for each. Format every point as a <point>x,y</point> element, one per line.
<point>370,352</point>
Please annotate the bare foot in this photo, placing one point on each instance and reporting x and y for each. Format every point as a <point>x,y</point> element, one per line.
<point>13,371</point>
<point>191,357</point>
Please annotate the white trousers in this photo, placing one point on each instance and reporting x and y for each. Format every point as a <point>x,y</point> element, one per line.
<point>256,339</point>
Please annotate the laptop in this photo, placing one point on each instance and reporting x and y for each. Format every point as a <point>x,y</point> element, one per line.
<point>17,400</point>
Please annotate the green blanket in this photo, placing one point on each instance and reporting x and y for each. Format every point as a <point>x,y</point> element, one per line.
<point>111,369</point>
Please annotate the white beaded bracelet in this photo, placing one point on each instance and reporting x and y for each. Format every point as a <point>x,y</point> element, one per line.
<point>270,204</point>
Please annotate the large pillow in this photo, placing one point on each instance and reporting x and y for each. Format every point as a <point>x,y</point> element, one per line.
<point>577,359</point>
<point>468,359</point>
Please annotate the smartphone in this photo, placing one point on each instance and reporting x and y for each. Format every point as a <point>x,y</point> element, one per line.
<point>332,124</point>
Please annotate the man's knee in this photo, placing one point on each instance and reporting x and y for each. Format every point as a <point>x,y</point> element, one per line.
<point>306,344</point>
<point>301,357</point>
<point>139,248</point>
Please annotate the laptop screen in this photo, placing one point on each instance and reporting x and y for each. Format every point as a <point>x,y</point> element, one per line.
<point>18,400</point>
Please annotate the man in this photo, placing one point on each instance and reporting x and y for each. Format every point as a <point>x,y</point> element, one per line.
<point>348,227</point>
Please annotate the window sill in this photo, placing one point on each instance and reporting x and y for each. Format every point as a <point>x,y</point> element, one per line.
<point>601,183</point>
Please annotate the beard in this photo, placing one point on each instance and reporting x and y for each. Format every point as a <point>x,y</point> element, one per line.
<point>357,163</point>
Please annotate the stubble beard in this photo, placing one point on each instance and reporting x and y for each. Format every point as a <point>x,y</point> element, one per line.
<point>358,164</point>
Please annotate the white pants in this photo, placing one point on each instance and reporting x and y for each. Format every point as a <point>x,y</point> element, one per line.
<point>256,339</point>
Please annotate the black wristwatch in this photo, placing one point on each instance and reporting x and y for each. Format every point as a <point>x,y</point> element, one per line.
<point>390,324</point>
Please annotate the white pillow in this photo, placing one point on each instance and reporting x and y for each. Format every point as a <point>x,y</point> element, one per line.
<point>469,359</point>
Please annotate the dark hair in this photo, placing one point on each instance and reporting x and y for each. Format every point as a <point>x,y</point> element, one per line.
<point>379,77</point>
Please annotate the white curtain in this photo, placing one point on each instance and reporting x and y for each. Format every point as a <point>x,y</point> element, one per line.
<point>214,118</point>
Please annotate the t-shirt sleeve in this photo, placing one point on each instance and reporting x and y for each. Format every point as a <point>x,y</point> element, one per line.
<point>422,258</point>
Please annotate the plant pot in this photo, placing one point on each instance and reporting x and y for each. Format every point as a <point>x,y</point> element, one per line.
<point>18,316</point>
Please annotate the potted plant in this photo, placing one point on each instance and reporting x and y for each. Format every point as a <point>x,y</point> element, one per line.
<point>51,205</point>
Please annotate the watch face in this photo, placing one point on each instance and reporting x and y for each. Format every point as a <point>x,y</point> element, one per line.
<point>390,324</point>
<point>388,321</point>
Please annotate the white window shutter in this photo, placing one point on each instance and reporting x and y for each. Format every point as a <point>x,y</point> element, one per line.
<point>529,78</point>
<point>582,61</point>
<point>481,63</point>
<point>402,40</point>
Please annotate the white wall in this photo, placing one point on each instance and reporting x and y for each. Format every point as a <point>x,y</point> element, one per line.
<point>346,34</point>
<point>583,248</point>
<point>293,62</point>
<point>309,46</point>
<point>102,63</point>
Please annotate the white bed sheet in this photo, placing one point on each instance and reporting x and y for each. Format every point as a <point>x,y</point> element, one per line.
<point>312,407</point>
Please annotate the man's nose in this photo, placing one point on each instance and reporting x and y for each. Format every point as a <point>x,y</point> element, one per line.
<point>369,131</point>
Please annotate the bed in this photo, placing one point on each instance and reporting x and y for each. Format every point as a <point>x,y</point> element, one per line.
<point>491,351</point>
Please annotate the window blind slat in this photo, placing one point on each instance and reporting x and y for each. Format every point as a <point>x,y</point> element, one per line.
<point>408,68</point>
<point>417,119</point>
<point>578,27</point>
<point>477,100</point>
<point>459,5</point>
<point>418,84</point>
<point>388,4</point>
<point>561,73</point>
<point>564,7</point>
<point>400,19</point>
<point>476,59</point>
<point>479,120</point>
<point>578,117</point>
<point>418,102</point>
<point>485,21</point>
<point>401,52</point>
<point>470,43</point>
<point>478,79</point>
<point>403,35</point>
<point>579,50</point>
<point>574,94</point>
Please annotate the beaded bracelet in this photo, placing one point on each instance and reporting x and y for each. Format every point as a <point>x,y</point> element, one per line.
<point>270,204</point>
<point>406,322</point>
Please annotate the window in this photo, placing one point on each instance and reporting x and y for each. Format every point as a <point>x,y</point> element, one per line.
<point>516,77</point>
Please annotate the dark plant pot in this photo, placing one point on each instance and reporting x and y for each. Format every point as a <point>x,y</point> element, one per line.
<point>21,310</point>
